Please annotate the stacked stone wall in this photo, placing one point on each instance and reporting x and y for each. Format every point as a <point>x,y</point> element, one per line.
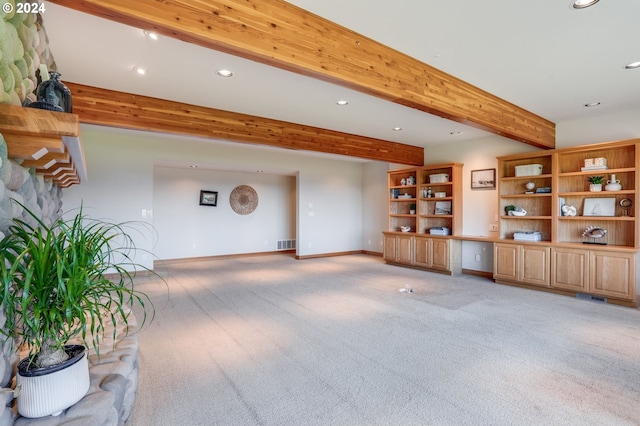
<point>24,54</point>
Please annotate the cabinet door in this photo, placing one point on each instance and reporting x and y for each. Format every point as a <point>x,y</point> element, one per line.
<point>570,269</point>
<point>612,274</point>
<point>423,252</point>
<point>390,248</point>
<point>505,261</point>
<point>534,265</point>
<point>404,250</point>
<point>440,254</point>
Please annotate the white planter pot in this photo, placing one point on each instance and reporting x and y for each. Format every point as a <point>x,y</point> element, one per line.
<point>49,391</point>
<point>595,187</point>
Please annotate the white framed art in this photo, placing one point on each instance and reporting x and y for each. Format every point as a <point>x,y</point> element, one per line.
<point>443,207</point>
<point>599,207</point>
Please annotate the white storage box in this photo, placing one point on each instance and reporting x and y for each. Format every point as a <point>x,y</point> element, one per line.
<point>439,178</point>
<point>527,236</point>
<point>529,170</point>
<point>440,230</point>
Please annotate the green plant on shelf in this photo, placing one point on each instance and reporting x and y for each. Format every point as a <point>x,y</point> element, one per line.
<point>596,180</point>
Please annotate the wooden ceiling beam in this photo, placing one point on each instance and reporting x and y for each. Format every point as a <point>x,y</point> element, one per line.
<point>117,109</point>
<point>280,34</point>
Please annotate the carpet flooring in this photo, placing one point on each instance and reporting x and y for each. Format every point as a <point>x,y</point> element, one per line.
<point>270,340</point>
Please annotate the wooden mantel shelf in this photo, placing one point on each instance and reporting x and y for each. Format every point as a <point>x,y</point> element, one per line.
<point>46,141</point>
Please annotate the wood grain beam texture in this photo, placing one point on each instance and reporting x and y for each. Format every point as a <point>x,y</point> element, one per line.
<point>279,34</point>
<point>117,109</point>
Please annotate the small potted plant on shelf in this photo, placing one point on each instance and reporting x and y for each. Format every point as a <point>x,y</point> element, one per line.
<point>595,183</point>
<point>412,208</point>
<point>57,282</point>
<point>508,210</point>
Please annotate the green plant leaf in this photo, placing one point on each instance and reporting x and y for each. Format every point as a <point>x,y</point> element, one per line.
<point>56,281</point>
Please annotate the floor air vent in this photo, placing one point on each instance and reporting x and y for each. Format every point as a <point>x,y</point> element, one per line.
<point>286,244</point>
<point>592,298</point>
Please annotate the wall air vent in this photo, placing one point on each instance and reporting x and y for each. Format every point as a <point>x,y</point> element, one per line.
<point>286,244</point>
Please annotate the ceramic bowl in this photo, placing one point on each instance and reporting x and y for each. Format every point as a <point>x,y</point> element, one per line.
<point>405,228</point>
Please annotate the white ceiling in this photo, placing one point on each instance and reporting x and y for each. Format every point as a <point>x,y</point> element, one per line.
<point>541,55</point>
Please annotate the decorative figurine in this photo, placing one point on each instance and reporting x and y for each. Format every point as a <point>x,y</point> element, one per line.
<point>530,186</point>
<point>595,233</point>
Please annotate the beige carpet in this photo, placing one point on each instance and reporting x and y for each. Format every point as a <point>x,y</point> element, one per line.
<point>275,341</point>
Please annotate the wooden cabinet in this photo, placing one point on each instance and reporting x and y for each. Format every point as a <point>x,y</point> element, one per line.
<point>521,263</point>
<point>440,254</point>
<point>603,266</point>
<point>433,253</point>
<point>399,248</point>
<point>534,265</point>
<point>570,269</point>
<point>435,191</point>
<point>505,262</point>
<point>612,274</point>
<point>600,272</point>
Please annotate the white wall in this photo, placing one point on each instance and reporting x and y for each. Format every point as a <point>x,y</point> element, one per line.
<point>121,165</point>
<point>605,128</point>
<point>375,217</point>
<point>187,229</point>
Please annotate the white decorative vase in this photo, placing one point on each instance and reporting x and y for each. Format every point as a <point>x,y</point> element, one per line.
<point>613,184</point>
<point>49,391</point>
<point>595,187</point>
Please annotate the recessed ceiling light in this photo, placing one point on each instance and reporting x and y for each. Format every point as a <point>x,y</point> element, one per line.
<point>633,65</point>
<point>582,4</point>
<point>592,104</point>
<point>455,133</point>
<point>152,36</point>
<point>224,73</point>
<point>139,70</point>
<point>193,166</point>
<point>397,129</point>
<point>342,102</point>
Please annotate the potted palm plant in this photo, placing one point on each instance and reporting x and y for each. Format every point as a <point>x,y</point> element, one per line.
<point>58,282</point>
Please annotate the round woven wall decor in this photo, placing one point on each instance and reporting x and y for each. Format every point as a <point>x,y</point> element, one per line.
<point>243,199</point>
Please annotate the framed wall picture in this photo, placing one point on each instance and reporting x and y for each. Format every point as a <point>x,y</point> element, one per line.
<point>599,207</point>
<point>443,207</point>
<point>208,198</point>
<point>483,179</point>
